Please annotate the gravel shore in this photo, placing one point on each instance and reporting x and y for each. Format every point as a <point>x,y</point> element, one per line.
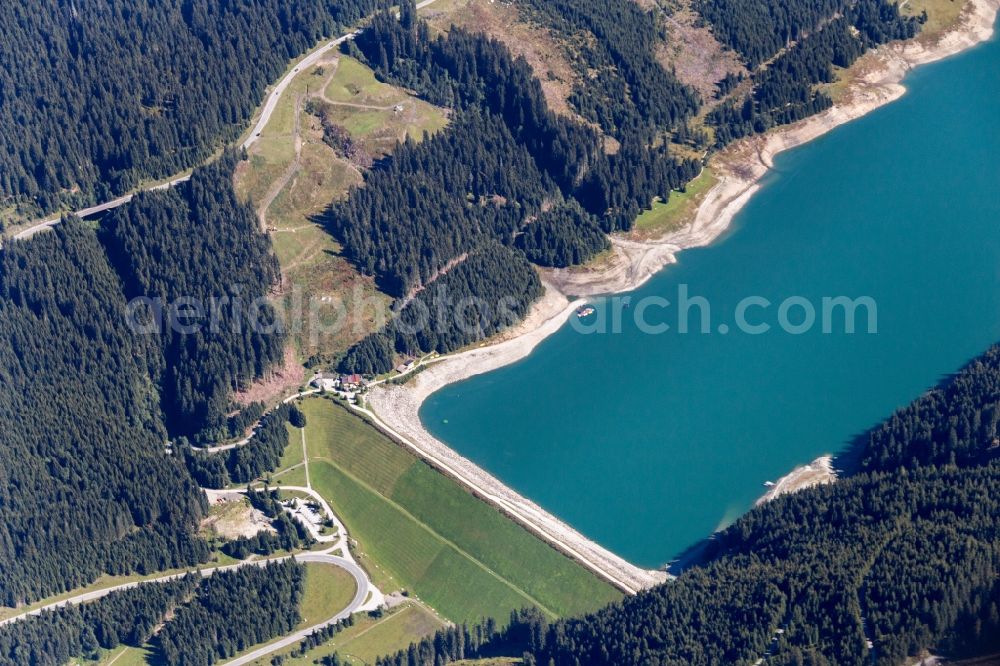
<point>739,169</point>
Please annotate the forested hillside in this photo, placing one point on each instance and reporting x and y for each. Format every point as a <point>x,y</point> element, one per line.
<point>85,487</point>
<point>905,554</point>
<point>233,611</point>
<point>793,47</point>
<point>487,292</point>
<point>96,95</point>
<point>490,178</point>
<point>759,29</point>
<point>126,617</point>
<point>623,88</point>
<point>435,200</point>
<point>954,424</point>
<point>197,245</point>
<point>88,486</point>
<point>469,70</point>
<point>190,621</point>
<point>564,235</point>
<point>245,463</point>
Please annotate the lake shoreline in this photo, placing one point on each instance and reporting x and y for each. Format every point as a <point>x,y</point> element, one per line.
<point>816,473</point>
<point>633,262</point>
<point>742,165</point>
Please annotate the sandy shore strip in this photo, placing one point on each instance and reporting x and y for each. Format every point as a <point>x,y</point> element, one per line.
<point>816,473</point>
<point>605,564</point>
<point>394,409</point>
<point>740,168</point>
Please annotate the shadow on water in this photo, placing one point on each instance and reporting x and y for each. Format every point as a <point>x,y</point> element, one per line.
<point>848,463</point>
<point>696,555</point>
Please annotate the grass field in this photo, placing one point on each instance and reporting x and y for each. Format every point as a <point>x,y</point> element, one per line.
<point>328,590</point>
<point>369,638</point>
<point>291,477</point>
<point>941,15</point>
<point>409,555</point>
<point>416,529</point>
<point>293,452</point>
<point>290,470</point>
<point>377,114</point>
<point>387,634</point>
<point>678,210</point>
<point>291,176</point>
<point>356,83</point>
<point>126,656</point>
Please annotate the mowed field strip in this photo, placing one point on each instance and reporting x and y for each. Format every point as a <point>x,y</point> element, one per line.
<point>418,530</point>
<point>372,637</point>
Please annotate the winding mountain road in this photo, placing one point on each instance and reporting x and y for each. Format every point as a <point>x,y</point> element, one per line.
<point>270,104</point>
<point>246,440</point>
<point>366,595</point>
<point>360,578</point>
<point>357,603</point>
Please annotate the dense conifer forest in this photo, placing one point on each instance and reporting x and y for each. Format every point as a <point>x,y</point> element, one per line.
<point>623,88</point>
<point>759,29</point>
<point>189,621</point>
<point>470,70</point>
<point>245,463</point>
<point>86,486</point>
<point>435,200</point>
<point>784,92</point>
<point>233,611</point>
<point>96,95</point>
<point>487,292</point>
<point>905,554</point>
<point>954,424</point>
<point>263,452</point>
<point>96,492</point>
<point>564,235</point>
<point>196,244</point>
<point>126,617</point>
<point>504,160</point>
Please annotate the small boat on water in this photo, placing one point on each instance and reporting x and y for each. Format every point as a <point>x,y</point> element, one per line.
<point>584,310</point>
<point>769,484</point>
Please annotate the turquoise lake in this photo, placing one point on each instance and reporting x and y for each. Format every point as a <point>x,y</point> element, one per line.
<point>648,443</point>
